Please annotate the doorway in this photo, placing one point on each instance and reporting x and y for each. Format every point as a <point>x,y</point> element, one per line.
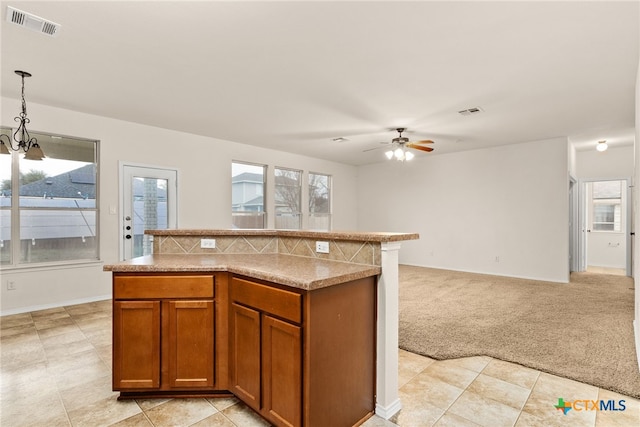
<point>605,238</point>
<point>149,201</point>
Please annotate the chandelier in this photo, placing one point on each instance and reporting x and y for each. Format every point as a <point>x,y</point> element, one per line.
<point>21,137</point>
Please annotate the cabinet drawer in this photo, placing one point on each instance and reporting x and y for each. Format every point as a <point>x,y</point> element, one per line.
<point>145,287</point>
<point>278,302</point>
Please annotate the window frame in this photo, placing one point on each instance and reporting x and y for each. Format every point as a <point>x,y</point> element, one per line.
<point>17,209</point>
<point>298,213</point>
<point>329,213</point>
<point>615,202</point>
<point>263,213</point>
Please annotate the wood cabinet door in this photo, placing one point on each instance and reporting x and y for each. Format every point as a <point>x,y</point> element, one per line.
<point>281,372</point>
<point>191,344</point>
<point>244,351</point>
<point>136,345</point>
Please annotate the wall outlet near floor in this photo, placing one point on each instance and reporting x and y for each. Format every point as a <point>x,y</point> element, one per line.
<point>322,247</point>
<point>208,243</point>
<point>11,285</point>
<point>497,259</point>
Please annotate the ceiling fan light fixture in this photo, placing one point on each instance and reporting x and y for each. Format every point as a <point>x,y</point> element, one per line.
<point>602,146</point>
<point>400,147</point>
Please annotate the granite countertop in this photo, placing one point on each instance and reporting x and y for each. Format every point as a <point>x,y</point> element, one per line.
<point>329,235</point>
<point>289,270</point>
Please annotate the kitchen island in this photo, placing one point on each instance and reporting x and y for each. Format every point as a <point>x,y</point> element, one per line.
<point>299,336</point>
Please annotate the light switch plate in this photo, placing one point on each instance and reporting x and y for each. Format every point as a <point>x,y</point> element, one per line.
<point>322,247</point>
<point>208,243</point>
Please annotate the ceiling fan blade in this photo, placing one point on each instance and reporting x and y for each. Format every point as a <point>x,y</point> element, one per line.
<point>425,141</point>
<point>419,147</point>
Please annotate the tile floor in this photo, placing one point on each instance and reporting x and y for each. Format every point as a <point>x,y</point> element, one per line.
<point>56,371</point>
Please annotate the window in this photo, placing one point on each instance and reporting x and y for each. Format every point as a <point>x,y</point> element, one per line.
<point>288,191</point>
<point>5,205</point>
<point>48,208</point>
<point>247,195</point>
<point>319,201</point>
<point>607,205</point>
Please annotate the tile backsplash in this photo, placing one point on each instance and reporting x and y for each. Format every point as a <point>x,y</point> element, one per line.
<point>357,252</point>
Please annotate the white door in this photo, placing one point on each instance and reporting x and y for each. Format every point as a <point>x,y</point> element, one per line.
<point>149,203</point>
<point>607,226</point>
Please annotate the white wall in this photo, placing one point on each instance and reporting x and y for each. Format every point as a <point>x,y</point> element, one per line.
<point>204,175</point>
<point>572,153</point>
<point>472,208</point>
<point>614,163</point>
<point>636,261</point>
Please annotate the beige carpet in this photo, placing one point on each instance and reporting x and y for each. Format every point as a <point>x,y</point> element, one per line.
<point>582,330</point>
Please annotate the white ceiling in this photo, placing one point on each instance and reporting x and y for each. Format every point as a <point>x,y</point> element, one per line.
<point>294,75</point>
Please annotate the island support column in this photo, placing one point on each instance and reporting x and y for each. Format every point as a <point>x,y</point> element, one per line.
<point>387,399</point>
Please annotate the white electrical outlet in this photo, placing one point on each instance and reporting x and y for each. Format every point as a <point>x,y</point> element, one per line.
<point>208,243</point>
<point>322,247</point>
<point>11,285</point>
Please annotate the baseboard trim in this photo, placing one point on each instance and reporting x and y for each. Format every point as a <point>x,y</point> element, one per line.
<point>53,305</point>
<point>388,411</point>
<point>487,273</point>
<point>636,329</point>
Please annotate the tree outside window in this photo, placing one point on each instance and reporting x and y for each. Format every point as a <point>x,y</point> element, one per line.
<point>288,191</point>
<point>319,201</point>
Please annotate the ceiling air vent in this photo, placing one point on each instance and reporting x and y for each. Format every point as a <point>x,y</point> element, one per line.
<point>470,111</point>
<point>32,22</point>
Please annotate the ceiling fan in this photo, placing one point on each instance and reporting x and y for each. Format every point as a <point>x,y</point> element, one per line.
<point>399,145</point>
